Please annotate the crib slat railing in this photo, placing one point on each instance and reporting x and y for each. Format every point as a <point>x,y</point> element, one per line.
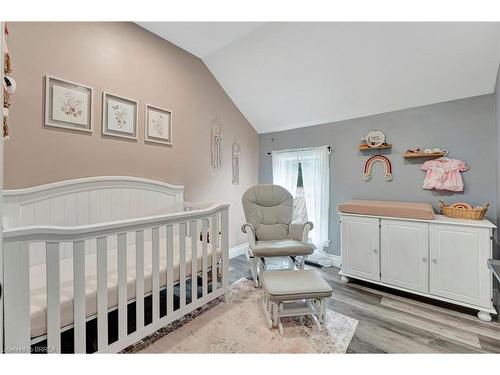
<point>182,264</point>
<point>53,298</point>
<point>194,260</point>
<point>16,290</point>
<point>122,285</point>
<point>139,279</point>
<point>170,269</point>
<point>155,279</point>
<point>17,284</point>
<point>204,259</point>
<point>214,241</point>
<point>225,251</point>
<point>79,298</point>
<point>102,294</point>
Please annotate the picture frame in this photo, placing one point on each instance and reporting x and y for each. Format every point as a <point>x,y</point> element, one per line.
<point>68,105</point>
<point>157,125</point>
<point>119,116</point>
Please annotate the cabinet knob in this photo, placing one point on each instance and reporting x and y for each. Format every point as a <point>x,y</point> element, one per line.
<point>424,259</point>
<point>375,251</point>
<point>434,260</point>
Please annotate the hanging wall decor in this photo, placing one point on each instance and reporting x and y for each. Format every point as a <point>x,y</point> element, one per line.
<point>236,163</point>
<point>8,84</point>
<point>367,174</point>
<point>217,138</point>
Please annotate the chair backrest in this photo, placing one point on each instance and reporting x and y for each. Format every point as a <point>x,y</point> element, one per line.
<point>269,208</point>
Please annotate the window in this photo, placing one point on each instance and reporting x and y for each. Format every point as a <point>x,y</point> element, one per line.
<point>305,173</point>
<point>299,201</point>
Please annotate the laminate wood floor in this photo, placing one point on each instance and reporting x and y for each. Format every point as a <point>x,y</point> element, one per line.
<point>396,322</point>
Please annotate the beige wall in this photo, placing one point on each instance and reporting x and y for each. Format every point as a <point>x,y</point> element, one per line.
<point>126,60</point>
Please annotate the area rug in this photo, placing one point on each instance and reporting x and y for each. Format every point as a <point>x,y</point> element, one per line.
<point>239,327</point>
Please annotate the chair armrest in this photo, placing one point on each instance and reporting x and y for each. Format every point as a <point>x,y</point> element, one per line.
<point>300,231</point>
<point>250,231</point>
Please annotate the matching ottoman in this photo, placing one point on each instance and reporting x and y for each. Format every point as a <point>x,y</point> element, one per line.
<point>294,293</point>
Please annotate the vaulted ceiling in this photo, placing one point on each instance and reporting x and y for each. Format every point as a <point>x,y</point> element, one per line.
<point>289,75</point>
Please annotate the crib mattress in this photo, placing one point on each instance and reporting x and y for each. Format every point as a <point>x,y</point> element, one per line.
<point>407,210</point>
<point>38,297</point>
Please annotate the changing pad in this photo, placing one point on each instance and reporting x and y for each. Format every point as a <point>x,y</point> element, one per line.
<point>407,210</point>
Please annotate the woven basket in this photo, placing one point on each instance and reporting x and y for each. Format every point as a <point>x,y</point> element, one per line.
<point>464,213</point>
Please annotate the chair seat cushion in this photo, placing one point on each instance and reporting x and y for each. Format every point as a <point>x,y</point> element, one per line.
<point>273,248</point>
<point>295,285</point>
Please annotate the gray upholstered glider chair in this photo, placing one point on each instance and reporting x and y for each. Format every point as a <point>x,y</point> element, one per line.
<point>269,227</point>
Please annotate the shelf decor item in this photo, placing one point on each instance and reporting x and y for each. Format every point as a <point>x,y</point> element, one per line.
<point>375,138</point>
<point>367,173</point>
<point>462,211</point>
<point>158,125</point>
<point>68,104</point>
<point>119,116</point>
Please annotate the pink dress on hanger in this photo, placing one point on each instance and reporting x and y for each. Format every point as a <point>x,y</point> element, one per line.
<point>444,174</point>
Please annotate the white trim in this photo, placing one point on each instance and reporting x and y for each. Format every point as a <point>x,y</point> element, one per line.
<point>324,259</point>
<point>87,180</point>
<point>80,232</point>
<point>440,219</point>
<point>337,260</point>
<point>238,250</point>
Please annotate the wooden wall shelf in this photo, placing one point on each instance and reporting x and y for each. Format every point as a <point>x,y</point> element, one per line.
<point>367,148</point>
<point>413,155</point>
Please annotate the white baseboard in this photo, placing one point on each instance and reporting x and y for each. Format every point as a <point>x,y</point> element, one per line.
<point>238,250</point>
<point>324,259</point>
<point>337,260</point>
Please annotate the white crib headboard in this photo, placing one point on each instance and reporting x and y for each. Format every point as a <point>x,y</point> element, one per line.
<point>87,201</point>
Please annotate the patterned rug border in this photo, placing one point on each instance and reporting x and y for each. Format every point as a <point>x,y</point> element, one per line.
<point>238,290</point>
<point>155,336</point>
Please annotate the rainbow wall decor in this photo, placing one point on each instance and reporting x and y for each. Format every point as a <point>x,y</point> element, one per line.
<point>367,174</point>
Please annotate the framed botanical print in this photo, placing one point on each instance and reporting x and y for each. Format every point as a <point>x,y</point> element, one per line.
<point>158,125</point>
<point>119,116</point>
<point>68,104</point>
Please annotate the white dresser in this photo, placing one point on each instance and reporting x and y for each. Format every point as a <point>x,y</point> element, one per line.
<point>444,259</point>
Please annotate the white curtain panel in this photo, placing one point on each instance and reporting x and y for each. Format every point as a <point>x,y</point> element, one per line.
<point>286,170</point>
<point>316,179</point>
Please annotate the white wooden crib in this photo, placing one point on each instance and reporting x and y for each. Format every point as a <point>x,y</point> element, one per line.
<point>75,252</point>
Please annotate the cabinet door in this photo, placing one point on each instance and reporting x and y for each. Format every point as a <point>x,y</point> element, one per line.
<point>404,254</point>
<point>360,247</point>
<point>458,268</point>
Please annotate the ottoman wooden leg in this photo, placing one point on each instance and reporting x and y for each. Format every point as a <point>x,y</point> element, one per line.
<point>323,310</point>
<point>275,313</point>
<point>280,327</point>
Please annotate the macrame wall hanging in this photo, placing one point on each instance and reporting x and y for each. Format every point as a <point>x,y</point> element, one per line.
<point>236,163</point>
<point>8,84</point>
<point>217,138</point>
<point>367,174</point>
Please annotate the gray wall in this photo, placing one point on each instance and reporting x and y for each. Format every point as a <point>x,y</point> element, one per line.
<point>497,102</point>
<point>467,128</point>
